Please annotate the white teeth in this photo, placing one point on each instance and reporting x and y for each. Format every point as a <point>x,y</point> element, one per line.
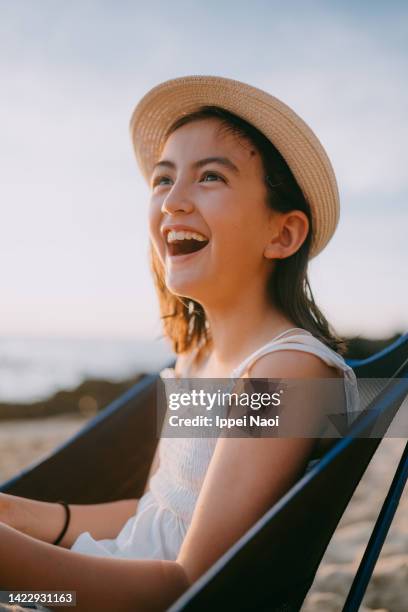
<point>182,235</point>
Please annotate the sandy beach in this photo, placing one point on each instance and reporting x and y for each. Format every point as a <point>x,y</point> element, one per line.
<point>27,440</point>
<point>24,441</point>
<point>388,589</point>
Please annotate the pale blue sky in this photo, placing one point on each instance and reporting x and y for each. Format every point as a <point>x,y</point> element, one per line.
<point>73,234</point>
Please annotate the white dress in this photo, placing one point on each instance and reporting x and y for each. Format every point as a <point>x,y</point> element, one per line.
<point>165,511</point>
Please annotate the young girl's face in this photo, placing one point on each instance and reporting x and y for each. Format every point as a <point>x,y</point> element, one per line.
<point>222,200</point>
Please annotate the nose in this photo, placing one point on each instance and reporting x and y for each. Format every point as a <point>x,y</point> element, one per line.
<point>177,200</point>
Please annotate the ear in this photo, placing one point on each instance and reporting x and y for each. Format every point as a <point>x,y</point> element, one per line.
<point>289,231</point>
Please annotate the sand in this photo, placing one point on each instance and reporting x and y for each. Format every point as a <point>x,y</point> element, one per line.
<point>388,588</point>
<point>24,441</point>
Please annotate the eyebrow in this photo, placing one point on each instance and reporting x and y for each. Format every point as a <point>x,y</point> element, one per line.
<point>224,161</point>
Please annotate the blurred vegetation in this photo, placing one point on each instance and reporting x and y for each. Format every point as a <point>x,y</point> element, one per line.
<point>361,348</point>
<point>86,399</point>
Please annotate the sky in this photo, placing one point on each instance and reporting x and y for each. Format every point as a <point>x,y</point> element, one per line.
<point>73,205</point>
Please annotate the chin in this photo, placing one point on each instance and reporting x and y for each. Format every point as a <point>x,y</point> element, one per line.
<point>185,286</point>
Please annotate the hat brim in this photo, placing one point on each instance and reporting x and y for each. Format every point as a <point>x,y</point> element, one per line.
<point>293,138</point>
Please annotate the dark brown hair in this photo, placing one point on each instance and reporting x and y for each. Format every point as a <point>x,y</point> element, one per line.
<point>288,287</point>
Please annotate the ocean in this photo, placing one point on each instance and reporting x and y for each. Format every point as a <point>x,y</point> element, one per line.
<point>32,369</point>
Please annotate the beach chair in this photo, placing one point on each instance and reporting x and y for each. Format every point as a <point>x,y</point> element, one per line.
<point>273,565</point>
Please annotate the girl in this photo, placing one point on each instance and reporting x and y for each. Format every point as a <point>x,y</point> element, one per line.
<point>242,196</point>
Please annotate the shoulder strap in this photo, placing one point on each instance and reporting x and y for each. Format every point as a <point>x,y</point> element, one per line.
<point>309,344</point>
<point>278,342</point>
<point>304,342</point>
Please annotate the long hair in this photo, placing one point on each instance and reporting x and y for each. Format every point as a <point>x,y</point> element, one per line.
<point>288,288</point>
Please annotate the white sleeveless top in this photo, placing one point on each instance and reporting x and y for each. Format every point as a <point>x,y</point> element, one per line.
<point>164,512</point>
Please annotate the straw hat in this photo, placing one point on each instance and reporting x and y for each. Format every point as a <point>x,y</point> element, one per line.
<point>296,142</point>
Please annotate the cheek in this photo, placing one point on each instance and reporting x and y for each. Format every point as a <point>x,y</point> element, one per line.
<point>154,221</point>
<point>242,238</point>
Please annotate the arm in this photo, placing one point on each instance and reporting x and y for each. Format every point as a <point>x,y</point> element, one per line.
<point>101,583</point>
<point>43,520</point>
<point>247,476</point>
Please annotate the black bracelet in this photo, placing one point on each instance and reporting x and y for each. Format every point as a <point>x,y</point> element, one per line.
<point>66,524</point>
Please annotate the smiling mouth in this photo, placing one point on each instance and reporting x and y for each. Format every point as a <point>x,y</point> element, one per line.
<point>184,247</point>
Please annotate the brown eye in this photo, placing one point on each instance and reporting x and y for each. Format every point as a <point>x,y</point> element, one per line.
<point>158,180</point>
<point>214,174</point>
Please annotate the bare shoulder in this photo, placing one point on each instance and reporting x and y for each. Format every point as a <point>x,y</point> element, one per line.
<point>292,364</point>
